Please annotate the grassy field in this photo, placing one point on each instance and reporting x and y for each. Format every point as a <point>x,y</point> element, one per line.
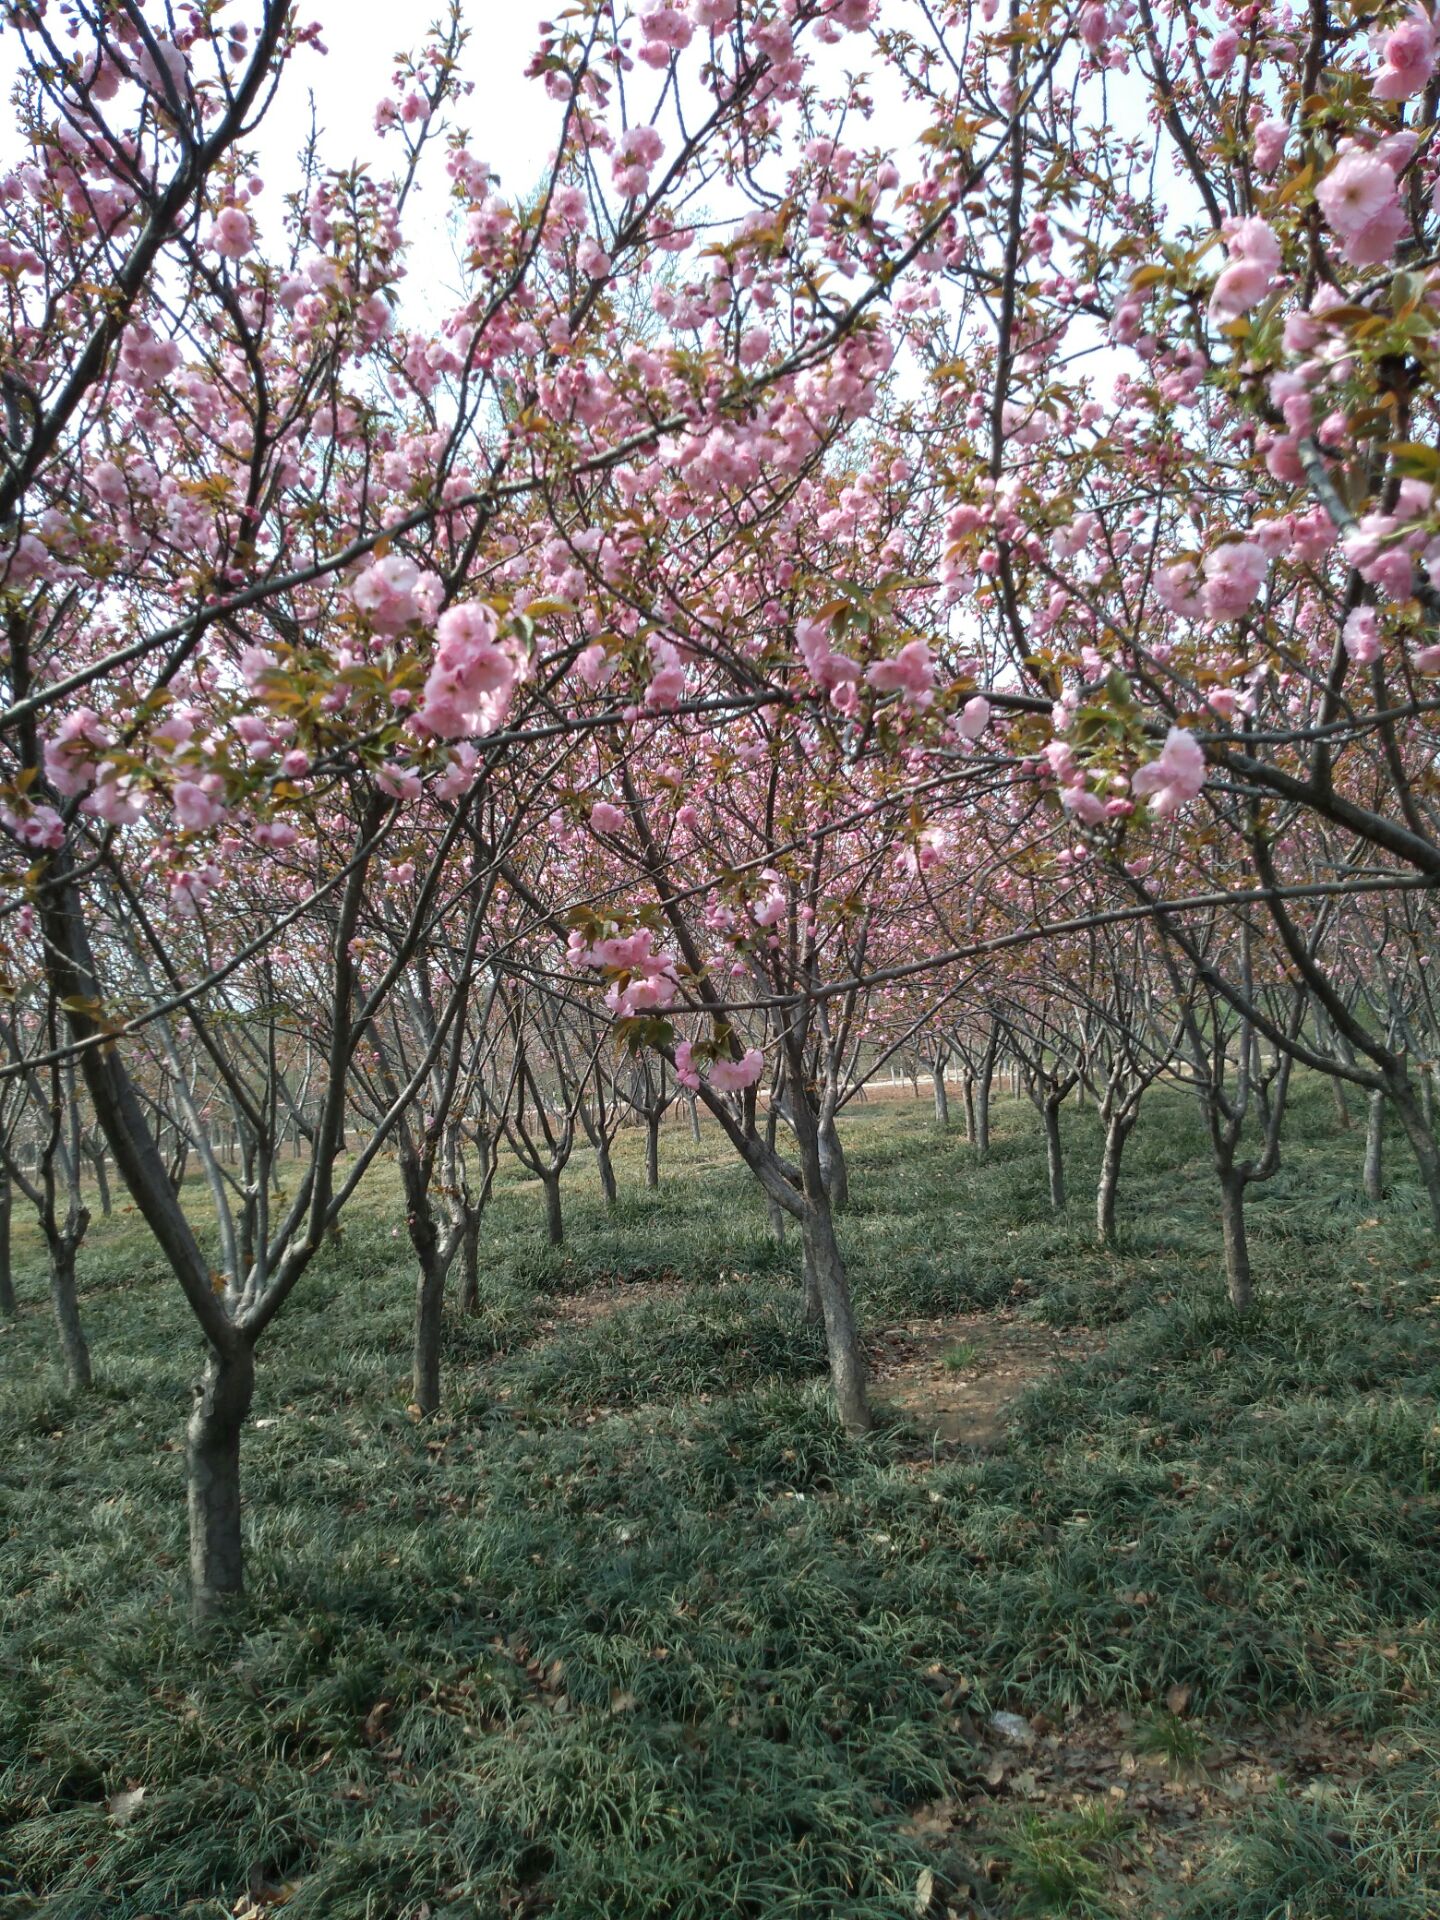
<point>631,1631</point>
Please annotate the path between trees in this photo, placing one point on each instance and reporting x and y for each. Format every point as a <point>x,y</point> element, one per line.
<point>1139,1797</point>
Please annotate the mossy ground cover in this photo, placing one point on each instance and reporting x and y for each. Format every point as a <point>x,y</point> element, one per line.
<point>631,1631</point>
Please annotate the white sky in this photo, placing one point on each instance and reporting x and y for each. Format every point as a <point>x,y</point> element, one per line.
<point>513,124</point>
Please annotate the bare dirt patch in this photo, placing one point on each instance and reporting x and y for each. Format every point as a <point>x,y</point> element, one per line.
<point>600,1298</point>
<point>958,1377</point>
<point>1172,1817</point>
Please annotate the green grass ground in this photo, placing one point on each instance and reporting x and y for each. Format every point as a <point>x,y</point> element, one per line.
<point>632,1631</point>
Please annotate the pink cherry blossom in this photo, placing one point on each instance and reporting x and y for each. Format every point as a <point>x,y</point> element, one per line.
<point>1361,634</point>
<point>1254,261</point>
<point>1409,51</point>
<point>232,236</point>
<point>1234,574</point>
<point>606,817</point>
<point>389,593</point>
<point>1361,202</point>
<point>1176,778</point>
<point>731,1076</point>
<point>197,803</point>
<point>469,687</point>
<point>910,672</point>
<point>1270,138</point>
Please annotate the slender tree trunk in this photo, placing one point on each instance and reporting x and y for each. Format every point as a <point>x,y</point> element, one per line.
<point>1427,1096</point>
<point>74,1349</point>
<point>470,1262</point>
<point>652,1149</point>
<point>1375,1146</point>
<point>1054,1154</point>
<point>776,1216</point>
<point>812,1307</point>
<point>833,1167</point>
<point>972,1118</point>
<point>429,1325</point>
<point>222,1404</point>
<point>1237,1248</point>
<point>695,1121</point>
<point>1422,1144</point>
<point>1342,1109</point>
<point>847,1362</point>
<point>7,1282</point>
<point>554,1219</point>
<point>942,1098</point>
<point>607,1173</point>
<point>1116,1134</point>
<point>982,1110</point>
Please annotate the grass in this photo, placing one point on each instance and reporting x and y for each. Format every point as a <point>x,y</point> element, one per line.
<point>1055,1864</point>
<point>631,1631</point>
<point>962,1357</point>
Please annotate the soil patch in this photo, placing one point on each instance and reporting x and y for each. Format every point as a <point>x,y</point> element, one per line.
<point>957,1377</point>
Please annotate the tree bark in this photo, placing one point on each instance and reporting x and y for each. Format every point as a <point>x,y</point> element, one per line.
<point>1116,1134</point>
<point>554,1219</point>
<point>1422,1144</point>
<point>7,1281</point>
<point>1375,1146</point>
<point>470,1263</point>
<point>606,1170</point>
<point>942,1098</point>
<point>847,1362</point>
<point>429,1326</point>
<point>222,1404</point>
<point>1054,1154</point>
<point>812,1307</point>
<point>1237,1248</point>
<point>833,1167</point>
<point>1342,1110</point>
<point>652,1149</point>
<point>695,1121</point>
<point>982,1110</point>
<point>74,1349</point>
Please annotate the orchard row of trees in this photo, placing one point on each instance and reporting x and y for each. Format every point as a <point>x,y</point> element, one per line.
<point>868,558</point>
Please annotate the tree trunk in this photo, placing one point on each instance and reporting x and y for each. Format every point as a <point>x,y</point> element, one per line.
<point>942,1098</point>
<point>1375,1146</point>
<point>1237,1247</point>
<point>652,1149</point>
<point>775,1213</point>
<point>222,1403</point>
<point>470,1262</point>
<point>74,1350</point>
<point>554,1219</point>
<point>1427,1096</point>
<point>1054,1155</point>
<point>1342,1110</point>
<point>812,1307</point>
<point>1422,1143</point>
<point>971,1116</point>
<point>606,1172</point>
<point>982,1111</point>
<point>847,1363</point>
<point>7,1282</point>
<point>833,1167</point>
<point>695,1121</point>
<point>102,1183</point>
<point>429,1320</point>
<point>1116,1134</point>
